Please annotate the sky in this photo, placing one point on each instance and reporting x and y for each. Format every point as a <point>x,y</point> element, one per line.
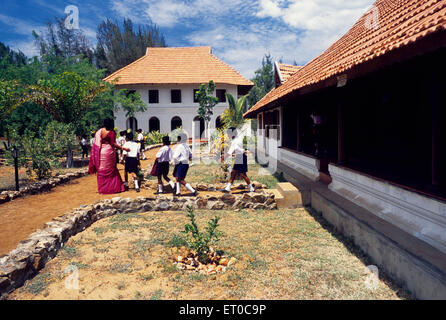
<point>240,32</point>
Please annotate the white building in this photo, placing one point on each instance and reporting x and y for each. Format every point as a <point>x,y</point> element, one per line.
<point>166,79</point>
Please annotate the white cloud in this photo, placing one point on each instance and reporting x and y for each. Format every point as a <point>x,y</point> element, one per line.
<point>19,26</point>
<point>242,31</point>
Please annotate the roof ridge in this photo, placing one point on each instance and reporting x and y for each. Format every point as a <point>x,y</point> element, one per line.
<point>400,24</point>
<point>233,69</point>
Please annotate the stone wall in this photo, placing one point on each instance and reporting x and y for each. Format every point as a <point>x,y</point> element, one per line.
<point>32,254</point>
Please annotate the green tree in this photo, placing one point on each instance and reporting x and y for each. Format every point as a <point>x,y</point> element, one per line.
<point>119,45</point>
<point>130,101</point>
<point>66,97</point>
<point>263,81</point>
<point>9,98</point>
<point>207,102</point>
<point>233,116</point>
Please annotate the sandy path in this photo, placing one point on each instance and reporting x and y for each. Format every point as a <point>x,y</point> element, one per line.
<point>21,217</point>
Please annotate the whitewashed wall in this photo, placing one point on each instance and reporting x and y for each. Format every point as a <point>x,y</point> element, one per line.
<point>165,110</point>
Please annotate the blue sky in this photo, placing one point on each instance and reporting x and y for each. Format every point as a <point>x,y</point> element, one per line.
<point>239,31</point>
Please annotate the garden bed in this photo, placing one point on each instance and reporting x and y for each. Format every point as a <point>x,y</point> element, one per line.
<point>286,254</point>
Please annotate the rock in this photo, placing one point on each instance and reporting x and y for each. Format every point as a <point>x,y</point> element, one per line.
<point>4,198</point>
<point>215,205</point>
<point>201,187</point>
<point>259,198</point>
<point>232,261</point>
<point>163,206</point>
<point>4,284</point>
<point>228,199</point>
<point>259,206</point>
<point>223,262</point>
<point>180,258</point>
<point>201,203</point>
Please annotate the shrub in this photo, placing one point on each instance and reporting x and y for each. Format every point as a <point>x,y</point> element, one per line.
<point>155,137</point>
<point>200,241</point>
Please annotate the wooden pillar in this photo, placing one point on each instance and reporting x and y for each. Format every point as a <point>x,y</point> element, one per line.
<point>434,83</point>
<point>341,151</point>
<point>298,130</point>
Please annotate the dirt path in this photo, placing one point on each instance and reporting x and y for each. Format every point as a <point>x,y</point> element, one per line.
<point>21,217</point>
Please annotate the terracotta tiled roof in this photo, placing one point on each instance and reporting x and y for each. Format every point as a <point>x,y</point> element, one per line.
<point>287,70</point>
<point>178,65</point>
<point>400,23</point>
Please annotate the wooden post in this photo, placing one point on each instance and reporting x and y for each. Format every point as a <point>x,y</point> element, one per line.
<point>298,129</point>
<point>341,151</point>
<point>435,131</point>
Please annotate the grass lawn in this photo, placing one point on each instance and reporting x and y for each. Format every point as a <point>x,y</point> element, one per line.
<point>212,173</point>
<point>283,254</point>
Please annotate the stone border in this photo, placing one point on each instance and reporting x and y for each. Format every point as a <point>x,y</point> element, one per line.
<point>32,254</point>
<point>42,186</point>
<point>153,185</point>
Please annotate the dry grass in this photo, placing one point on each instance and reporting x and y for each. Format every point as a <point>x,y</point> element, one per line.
<point>286,254</point>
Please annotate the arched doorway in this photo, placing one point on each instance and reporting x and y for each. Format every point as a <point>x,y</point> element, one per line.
<point>154,124</point>
<point>175,123</point>
<point>199,127</point>
<point>218,123</point>
<point>132,123</point>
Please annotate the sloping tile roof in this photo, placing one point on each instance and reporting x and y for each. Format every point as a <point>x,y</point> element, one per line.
<point>287,70</point>
<point>400,23</point>
<point>178,65</point>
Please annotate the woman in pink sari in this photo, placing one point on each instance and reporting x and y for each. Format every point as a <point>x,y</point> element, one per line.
<point>103,160</point>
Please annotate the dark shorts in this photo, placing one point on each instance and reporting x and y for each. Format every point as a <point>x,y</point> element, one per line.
<point>162,168</point>
<point>131,165</point>
<point>180,171</point>
<point>241,163</point>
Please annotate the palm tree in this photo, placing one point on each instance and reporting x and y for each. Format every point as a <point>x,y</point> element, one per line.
<point>233,116</point>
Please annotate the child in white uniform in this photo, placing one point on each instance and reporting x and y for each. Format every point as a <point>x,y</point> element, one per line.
<point>132,161</point>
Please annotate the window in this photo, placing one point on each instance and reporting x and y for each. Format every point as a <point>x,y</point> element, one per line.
<point>221,95</point>
<point>175,123</point>
<point>154,124</point>
<point>175,96</point>
<point>153,96</point>
<point>195,97</point>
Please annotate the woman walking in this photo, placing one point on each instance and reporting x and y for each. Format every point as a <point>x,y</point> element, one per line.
<point>103,160</point>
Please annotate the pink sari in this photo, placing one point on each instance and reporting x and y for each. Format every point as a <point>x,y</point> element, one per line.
<point>103,163</point>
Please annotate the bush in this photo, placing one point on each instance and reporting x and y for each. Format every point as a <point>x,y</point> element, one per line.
<point>39,154</point>
<point>155,137</point>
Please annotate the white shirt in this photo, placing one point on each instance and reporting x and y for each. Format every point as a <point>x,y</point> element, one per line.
<point>140,137</point>
<point>134,149</point>
<point>237,146</point>
<point>121,141</point>
<point>83,142</point>
<point>182,154</point>
<point>164,154</point>
<point>91,141</point>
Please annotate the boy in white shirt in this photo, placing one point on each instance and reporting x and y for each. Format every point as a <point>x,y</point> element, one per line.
<point>132,161</point>
<point>140,140</point>
<point>181,157</point>
<point>121,141</point>
<point>163,157</point>
<point>241,160</point>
